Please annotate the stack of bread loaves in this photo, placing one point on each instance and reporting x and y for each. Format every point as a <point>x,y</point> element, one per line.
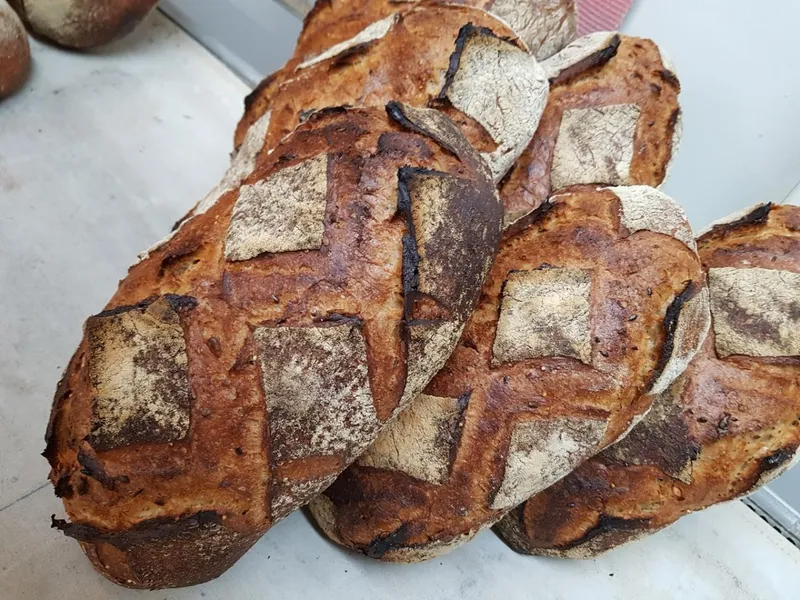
<point>437,278</point>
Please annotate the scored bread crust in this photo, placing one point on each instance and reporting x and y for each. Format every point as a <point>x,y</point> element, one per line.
<point>730,424</point>
<point>545,26</point>
<point>375,51</point>
<point>83,24</point>
<point>15,52</point>
<point>234,374</point>
<point>579,317</point>
<point>611,96</point>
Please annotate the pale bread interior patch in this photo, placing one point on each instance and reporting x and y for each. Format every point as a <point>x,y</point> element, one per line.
<point>317,391</point>
<point>546,26</point>
<point>504,89</point>
<point>756,312</point>
<point>595,145</point>
<point>543,451</point>
<point>418,442</point>
<point>374,31</point>
<point>577,51</point>
<point>544,313</point>
<point>139,377</point>
<point>429,347</point>
<point>282,213</point>
<point>289,495</point>
<point>646,208</point>
<point>694,322</point>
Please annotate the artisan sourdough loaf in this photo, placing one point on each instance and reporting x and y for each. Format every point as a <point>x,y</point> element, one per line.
<point>598,301</point>
<point>247,361</point>
<point>730,424</point>
<point>462,60</point>
<point>612,117</point>
<point>83,23</point>
<point>15,52</point>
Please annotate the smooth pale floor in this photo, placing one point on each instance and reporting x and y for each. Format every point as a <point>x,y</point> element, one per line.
<point>98,157</point>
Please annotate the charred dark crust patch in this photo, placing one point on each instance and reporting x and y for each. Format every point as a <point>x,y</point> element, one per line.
<point>613,527</point>
<point>378,547</point>
<point>63,392</point>
<point>757,217</point>
<point>455,442</point>
<point>396,113</point>
<point>532,218</point>
<point>179,304</point>
<point>670,78</point>
<point>349,56</point>
<point>670,326</point>
<point>776,459</point>
<point>63,488</point>
<point>464,34</point>
<point>152,529</point>
<point>410,251</point>
<point>255,95</point>
<point>91,467</point>
<point>592,61</point>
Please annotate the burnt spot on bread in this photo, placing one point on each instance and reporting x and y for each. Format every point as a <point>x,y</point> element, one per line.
<point>91,467</point>
<point>378,547</point>
<point>255,95</point>
<point>670,326</point>
<point>63,487</point>
<point>166,552</point>
<point>776,459</point>
<point>350,55</point>
<point>670,78</point>
<point>445,214</point>
<point>464,34</point>
<point>610,530</point>
<point>593,61</point>
<point>756,217</point>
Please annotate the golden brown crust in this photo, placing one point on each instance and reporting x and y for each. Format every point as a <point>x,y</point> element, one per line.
<point>572,387</point>
<point>459,59</point>
<point>623,82</point>
<point>726,427</point>
<point>197,391</point>
<point>365,53</point>
<point>15,52</point>
<point>83,23</point>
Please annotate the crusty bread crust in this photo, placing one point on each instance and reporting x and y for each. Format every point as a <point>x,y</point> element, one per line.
<point>612,118</point>
<point>220,390</point>
<point>15,52</point>
<point>83,24</point>
<point>730,424</point>
<point>460,59</point>
<point>577,320</point>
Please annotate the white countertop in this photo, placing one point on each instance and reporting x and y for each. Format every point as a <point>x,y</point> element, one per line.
<point>98,157</point>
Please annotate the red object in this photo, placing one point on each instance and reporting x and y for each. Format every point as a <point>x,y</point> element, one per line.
<point>601,15</point>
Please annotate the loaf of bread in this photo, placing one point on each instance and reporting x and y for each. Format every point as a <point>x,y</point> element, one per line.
<point>241,366</point>
<point>597,301</point>
<point>612,117</point>
<point>368,51</point>
<point>82,23</point>
<point>730,424</point>
<point>15,52</point>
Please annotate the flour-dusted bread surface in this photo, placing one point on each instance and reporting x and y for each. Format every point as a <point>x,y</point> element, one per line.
<point>234,374</point>
<point>578,319</point>
<point>15,52</point>
<point>83,23</point>
<point>341,31</point>
<point>728,425</point>
<point>459,59</point>
<point>612,118</point>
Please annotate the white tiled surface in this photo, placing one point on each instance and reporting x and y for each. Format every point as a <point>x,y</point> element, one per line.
<point>98,157</point>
